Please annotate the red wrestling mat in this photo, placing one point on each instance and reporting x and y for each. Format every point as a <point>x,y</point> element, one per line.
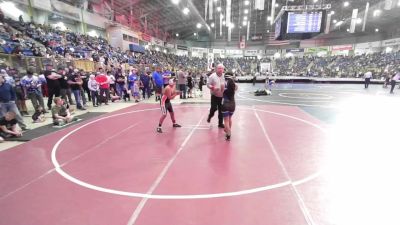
<point>117,170</point>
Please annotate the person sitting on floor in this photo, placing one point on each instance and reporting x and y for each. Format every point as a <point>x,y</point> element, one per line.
<point>61,115</point>
<point>9,127</point>
<point>38,116</point>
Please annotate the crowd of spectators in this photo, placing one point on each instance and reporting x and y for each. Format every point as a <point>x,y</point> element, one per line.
<point>26,38</point>
<point>339,66</point>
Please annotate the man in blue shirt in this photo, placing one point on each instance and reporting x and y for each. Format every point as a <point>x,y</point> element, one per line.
<point>7,102</point>
<point>158,82</point>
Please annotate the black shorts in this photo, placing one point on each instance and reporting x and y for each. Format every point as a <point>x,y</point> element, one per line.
<point>167,107</point>
<point>228,108</point>
<point>158,89</point>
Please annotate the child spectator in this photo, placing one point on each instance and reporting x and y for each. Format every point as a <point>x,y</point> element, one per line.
<point>94,88</point>
<point>9,127</point>
<point>136,90</point>
<point>61,115</point>
<point>38,116</point>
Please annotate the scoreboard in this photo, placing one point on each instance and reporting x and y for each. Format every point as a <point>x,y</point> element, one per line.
<point>304,22</point>
<point>299,25</point>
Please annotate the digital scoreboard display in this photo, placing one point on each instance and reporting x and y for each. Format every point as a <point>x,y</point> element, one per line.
<point>304,22</point>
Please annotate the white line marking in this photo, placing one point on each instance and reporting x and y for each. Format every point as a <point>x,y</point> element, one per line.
<point>27,184</point>
<point>285,103</point>
<point>177,197</point>
<point>300,201</point>
<point>99,144</point>
<point>304,95</point>
<point>196,128</point>
<point>139,208</point>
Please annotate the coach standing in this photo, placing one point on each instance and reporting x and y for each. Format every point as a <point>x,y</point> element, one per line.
<point>216,84</point>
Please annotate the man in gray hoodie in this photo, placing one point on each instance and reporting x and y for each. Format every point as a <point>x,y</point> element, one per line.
<point>182,82</point>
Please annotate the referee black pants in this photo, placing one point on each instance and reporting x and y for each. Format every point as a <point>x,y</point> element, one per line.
<point>216,104</point>
<point>367,81</point>
<point>393,84</point>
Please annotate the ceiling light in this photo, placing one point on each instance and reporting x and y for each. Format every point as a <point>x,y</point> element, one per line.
<point>276,5</point>
<point>186,11</point>
<point>348,30</point>
<point>177,34</point>
<point>219,9</point>
<point>334,21</point>
<point>176,2</point>
<point>376,30</point>
<point>195,34</point>
<point>223,22</point>
<point>245,18</point>
<point>198,25</point>
<point>332,12</point>
<point>212,25</point>
<point>377,12</point>
<point>339,23</point>
<point>359,20</point>
<point>244,23</point>
<point>247,2</point>
<point>246,11</point>
<point>345,4</point>
<point>315,1</point>
<point>269,18</point>
<point>215,0</point>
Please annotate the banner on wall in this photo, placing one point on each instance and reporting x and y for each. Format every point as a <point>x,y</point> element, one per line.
<point>250,53</point>
<point>294,50</point>
<point>157,42</point>
<point>146,37</point>
<point>220,51</point>
<point>317,49</point>
<point>391,42</point>
<point>200,50</point>
<point>368,45</point>
<point>342,47</point>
